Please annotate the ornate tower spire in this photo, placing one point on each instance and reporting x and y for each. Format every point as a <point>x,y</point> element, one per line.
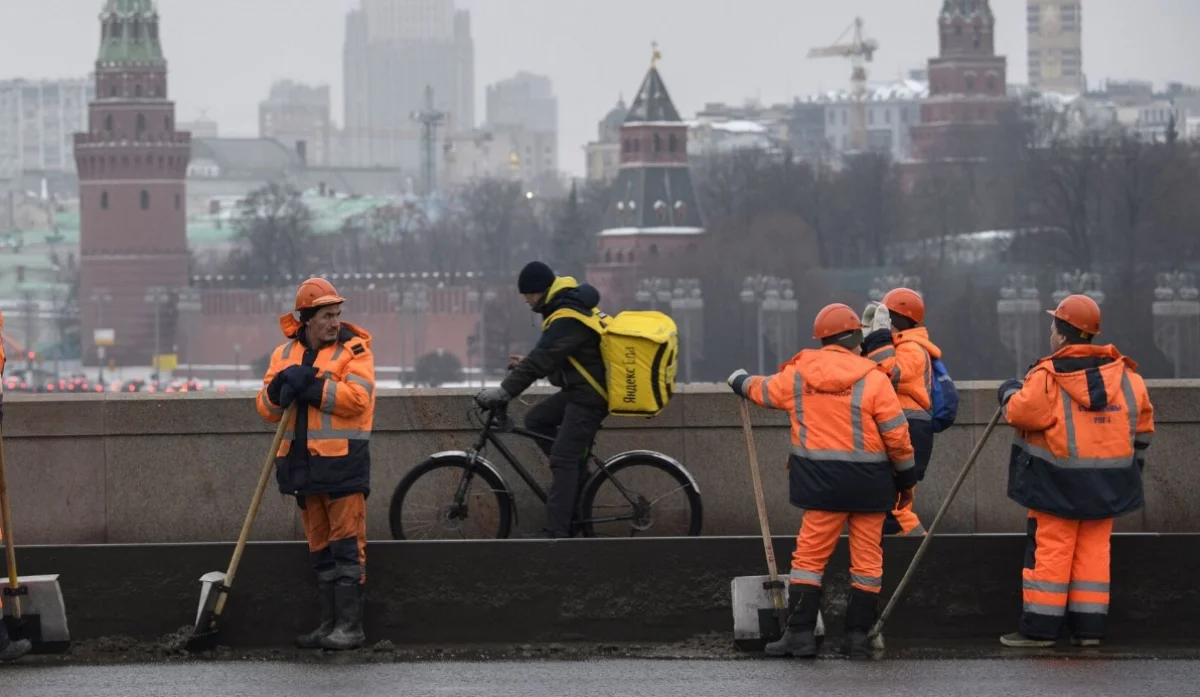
<point>129,34</point>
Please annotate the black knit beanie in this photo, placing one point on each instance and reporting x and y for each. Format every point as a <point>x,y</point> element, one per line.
<point>536,277</point>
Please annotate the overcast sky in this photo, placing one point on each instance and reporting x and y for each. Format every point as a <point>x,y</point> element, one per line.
<point>224,54</point>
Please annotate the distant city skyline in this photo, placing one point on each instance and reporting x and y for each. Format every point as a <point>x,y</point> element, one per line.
<point>713,51</point>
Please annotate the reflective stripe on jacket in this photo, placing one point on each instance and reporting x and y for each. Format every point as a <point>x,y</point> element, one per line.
<point>1084,422</point>
<point>850,447</point>
<point>333,419</point>
<point>908,363</point>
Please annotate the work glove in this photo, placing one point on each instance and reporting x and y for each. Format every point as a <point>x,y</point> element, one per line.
<point>287,394</point>
<point>492,397</point>
<point>904,498</point>
<point>735,380</point>
<point>1008,388</point>
<point>868,316</point>
<point>880,319</point>
<point>299,376</point>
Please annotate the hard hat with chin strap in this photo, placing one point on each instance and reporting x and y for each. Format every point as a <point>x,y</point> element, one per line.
<point>835,319</point>
<point>1080,312</point>
<point>906,303</point>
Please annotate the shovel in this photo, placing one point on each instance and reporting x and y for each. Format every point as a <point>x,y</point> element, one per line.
<point>33,605</point>
<point>215,585</point>
<point>874,634</point>
<point>759,608</point>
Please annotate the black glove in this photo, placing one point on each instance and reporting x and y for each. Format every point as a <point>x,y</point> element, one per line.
<point>287,394</point>
<point>1007,389</point>
<point>299,376</point>
<point>904,498</point>
<point>492,397</point>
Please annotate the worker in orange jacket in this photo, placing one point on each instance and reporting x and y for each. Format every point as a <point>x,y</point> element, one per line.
<point>850,456</point>
<point>1084,423</point>
<point>899,342</point>
<point>327,369</point>
<point>9,650</point>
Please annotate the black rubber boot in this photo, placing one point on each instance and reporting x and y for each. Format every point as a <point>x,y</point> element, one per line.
<point>312,640</point>
<point>348,606</point>
<point>804,602</point>
<point>860,616</point>
<point>12,650</point>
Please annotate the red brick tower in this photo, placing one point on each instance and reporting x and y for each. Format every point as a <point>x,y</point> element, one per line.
<point>968,97</point>
<point>132,168</point>
<point>654,214</point>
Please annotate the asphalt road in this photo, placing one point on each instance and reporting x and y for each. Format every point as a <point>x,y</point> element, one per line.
<point>611,678</point>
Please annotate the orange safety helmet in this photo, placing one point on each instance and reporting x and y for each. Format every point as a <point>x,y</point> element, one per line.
<point>316,292</point>
<point>835,319</point>
<point>906,303</point>
<point>1080,312</point>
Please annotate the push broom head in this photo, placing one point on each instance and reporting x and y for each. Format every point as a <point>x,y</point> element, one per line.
<point>204,635</point>
<point>42,615</point>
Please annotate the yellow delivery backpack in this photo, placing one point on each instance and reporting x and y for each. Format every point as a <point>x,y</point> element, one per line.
<point>639,349</point>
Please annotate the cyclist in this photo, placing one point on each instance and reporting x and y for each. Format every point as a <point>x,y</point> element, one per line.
<point>574,414</point>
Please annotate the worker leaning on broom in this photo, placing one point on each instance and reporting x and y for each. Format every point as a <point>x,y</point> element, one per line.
<point>327,369</point>
<point>851,462</point>
<point>9,650</point>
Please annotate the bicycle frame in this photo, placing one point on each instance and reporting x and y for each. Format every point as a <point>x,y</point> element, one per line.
<point>488,435</point>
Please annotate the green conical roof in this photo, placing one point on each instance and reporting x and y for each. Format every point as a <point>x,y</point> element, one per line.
<point>130,32</point>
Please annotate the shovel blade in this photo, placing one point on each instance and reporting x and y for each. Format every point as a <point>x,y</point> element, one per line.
<point>204,634</point>
<point>43,618</point>
<point>756,620</point>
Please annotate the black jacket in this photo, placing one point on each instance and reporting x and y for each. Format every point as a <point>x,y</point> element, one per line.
<point>564,337</point>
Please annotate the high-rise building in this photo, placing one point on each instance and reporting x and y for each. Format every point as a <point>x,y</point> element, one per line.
<point>1055,42</point>
<point>132,165</point>
<point>394,49</point>
<point>525,100</point>
<point>298,116</point>
<point>38,120</point>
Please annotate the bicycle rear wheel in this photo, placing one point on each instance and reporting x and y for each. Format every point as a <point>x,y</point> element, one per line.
<point>448,498</point>
<point>659,499</point>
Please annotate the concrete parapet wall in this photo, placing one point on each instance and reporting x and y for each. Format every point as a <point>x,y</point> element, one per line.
<point>654,590</point>
<point>141,468</point>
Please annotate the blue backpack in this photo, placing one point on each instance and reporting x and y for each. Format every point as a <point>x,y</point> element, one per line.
<point>944,397</point>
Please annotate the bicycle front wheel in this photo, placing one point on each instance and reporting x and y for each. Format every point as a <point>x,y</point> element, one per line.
<point>655,498</point>
<point>449,498</point>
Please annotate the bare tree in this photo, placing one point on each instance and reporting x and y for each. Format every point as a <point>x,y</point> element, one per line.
<point>274,234</point>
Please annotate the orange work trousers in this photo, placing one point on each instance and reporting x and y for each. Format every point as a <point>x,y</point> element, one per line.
<point>819,534</point>
<point>1066,576</point>
<point>336,529</point>
<point>904,521</point>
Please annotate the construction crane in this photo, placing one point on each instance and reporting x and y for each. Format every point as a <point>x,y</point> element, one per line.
<point>859,51</point>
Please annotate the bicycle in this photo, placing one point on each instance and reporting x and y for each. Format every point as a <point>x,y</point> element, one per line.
<point>626,471</point>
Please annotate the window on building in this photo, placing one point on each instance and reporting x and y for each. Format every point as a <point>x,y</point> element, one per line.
<point>145,200</point>
<point>104,200</point>
<point>887,116</point>
<point>152,30</point>
<point>657,143</point>
<point>970,84</point>
<point>108,124</point>
<point>870,117</point>
<point>178,201</point>
<point>1033,18</point>
<point>1070,18</point>
<point>112,91</point>
<point>625,146</point>
<point>137,30</point>
<point>672,143</point>
<point>991,84</point>
<point>141,124</point>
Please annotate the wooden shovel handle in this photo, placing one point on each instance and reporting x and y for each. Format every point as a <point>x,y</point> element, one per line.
<point>254,503</point>
<point>760,501</point>
<point>10,551</point>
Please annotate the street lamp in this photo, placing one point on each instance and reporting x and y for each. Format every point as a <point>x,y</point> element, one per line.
<point>1078,283</point>
<point>1020,319</point>
<point>1176,312</point>
<point>652,292</point>
<point>882,285</point>
<point>473,296</point>
<point>771,295</point>
<point>687,304</point>
<point>156,296</point>
<point>101,297</point>
<point>188,302</point>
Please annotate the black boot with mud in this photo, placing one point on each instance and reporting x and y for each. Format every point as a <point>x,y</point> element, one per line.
<point>804,602</point>
<point>312,640</point>
<point>860,616</point>
<point>348,606</point>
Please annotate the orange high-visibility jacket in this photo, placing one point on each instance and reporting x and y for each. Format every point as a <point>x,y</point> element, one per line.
<point>850,445</point>
<point>336,425</point>
<point>908,361</point>
<point>1084,422</point>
